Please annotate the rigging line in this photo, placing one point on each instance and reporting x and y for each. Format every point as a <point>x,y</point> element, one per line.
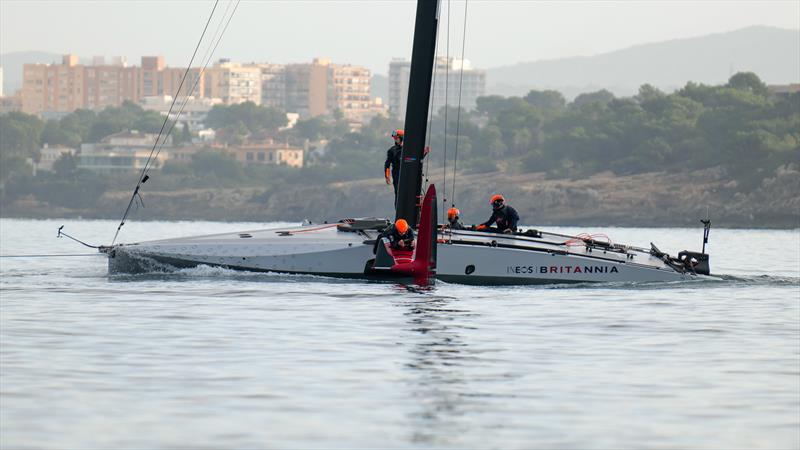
<point>199,77</point>
<point>204,60</point>
<point>458,113</point>
<point>446,107</point>
<point>148,164</point>
<point>163,125</point>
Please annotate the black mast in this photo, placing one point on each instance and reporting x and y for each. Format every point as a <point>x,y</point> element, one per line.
<point>419,91</point>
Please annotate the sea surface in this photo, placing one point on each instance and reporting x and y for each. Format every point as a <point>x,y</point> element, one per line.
<point>212,358</point>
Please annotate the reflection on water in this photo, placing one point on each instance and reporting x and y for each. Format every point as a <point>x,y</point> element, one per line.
<point>439,361</point>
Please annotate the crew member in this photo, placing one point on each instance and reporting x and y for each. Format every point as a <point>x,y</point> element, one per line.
<point>393,160</point>
<point>399,235</point>
<point>453,219</point>
<point>504,216</point>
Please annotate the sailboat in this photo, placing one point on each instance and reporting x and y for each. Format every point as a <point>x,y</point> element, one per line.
<point>353,248</point>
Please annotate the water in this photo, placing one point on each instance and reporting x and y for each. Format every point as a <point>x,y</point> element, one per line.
<point>210,358</point>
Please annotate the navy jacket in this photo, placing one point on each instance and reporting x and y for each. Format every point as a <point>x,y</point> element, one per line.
<point>394,159</point>
<point>505,218</point>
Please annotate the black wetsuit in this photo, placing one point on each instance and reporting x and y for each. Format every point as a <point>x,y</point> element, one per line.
<point>394,157</point>
<point>505,218</point>
<point>394,238</point>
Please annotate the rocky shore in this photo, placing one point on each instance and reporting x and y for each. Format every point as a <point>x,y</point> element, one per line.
<point>649,199</point>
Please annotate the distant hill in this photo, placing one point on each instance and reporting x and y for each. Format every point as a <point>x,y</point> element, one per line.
<point>12,67</point>
<point>772,53</point>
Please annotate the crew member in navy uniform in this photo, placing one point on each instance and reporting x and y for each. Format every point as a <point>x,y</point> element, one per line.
<point>503,215</point>
<point>453,221</point>
<point>399,235</point>
<point>393,160</point>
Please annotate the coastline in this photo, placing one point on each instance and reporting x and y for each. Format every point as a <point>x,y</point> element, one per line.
<point>643,200</point>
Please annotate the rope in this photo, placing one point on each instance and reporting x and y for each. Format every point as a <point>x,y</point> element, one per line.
<point>207,58</point>
<point>142,175</point>
<point>458,113</point>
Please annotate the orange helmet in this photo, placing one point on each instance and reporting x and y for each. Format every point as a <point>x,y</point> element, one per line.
<point>453,212</point>
<point>497,200</point>
<point>401,225</point>
<point>398,133</point>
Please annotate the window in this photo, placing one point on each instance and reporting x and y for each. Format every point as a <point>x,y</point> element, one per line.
<point>261,156</point>
<point>249,156</point>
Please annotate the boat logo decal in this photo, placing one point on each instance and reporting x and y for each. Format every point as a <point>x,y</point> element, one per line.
<point>561,269</point>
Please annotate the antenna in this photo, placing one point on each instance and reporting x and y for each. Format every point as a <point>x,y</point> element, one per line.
<point>706,228</point>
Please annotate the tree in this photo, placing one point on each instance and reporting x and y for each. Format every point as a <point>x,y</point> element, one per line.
<point>551,101</point>
<point>312,129</point>
<point>748,81</point>
<point>648,92</point>
<point>221,165</point>
<point>66,166</point>
<point>254,117</point>
<point>602,96</point>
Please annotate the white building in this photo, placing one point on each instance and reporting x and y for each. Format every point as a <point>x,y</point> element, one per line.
<point>123,152</point>
<point>234,83</point>
<point>49,154</point>
<point>194,111</point>
<point>473,85</point>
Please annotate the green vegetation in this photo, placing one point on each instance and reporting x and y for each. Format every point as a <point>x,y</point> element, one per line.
<point>737,127</point>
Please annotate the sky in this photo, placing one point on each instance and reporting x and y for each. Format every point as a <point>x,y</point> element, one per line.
<point>370,32</point>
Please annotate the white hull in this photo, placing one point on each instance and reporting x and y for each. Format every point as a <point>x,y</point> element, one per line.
<point>463,256</point>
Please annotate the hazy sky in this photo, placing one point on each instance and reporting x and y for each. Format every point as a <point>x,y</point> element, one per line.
<point>370,32</point>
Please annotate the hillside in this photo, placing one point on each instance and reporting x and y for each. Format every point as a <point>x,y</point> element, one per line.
<point>773,53</point>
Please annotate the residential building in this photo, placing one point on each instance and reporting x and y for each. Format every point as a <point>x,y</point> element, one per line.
<point>232,82</point>
<point>49,154</point>
<point>50,87</point>
<point>10,104</point>
<point>307,88</point>
<point>783,90</point>
<point>269,152</point>
<point>123,152</point>
<point>350,89</point>
<point>473,85</point>
<point>109,86</point>
<point>273,85</point>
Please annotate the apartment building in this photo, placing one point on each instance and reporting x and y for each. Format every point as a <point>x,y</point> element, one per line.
<point>273,85</point>
<point>350,88</point>
<point>473,85</point>
<point>65,87</point>
<point>53,88</point>
<point>234,83</point>
<point>309,89</point>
